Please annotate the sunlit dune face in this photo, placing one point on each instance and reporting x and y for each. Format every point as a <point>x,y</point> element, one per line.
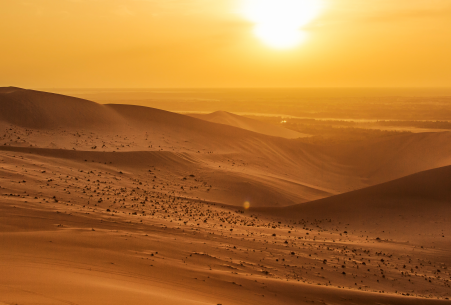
<point>279,23</point>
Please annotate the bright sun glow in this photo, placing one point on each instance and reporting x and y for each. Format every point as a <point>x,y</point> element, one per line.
<point>279,23</point>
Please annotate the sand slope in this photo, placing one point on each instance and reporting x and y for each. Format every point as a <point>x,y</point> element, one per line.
<point>394,157</point>
<point>35,109</point>
<point>227,118</point>
<point>242,165</point>
<point>117,204</point>
<point>118,228</point>
<point>416,208</point>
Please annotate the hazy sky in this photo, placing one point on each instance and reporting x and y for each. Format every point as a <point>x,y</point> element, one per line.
<point>221,43</point>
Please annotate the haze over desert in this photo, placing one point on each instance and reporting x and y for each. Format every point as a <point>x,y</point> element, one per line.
<point>225,152</point>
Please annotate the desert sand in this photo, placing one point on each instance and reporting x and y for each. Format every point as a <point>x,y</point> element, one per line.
<point>121,204</point>
<point>227,118</point>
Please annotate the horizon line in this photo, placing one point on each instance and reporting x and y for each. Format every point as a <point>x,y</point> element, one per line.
<point>222,88</point>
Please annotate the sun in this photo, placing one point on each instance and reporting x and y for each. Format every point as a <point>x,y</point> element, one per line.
<point>279,23</point>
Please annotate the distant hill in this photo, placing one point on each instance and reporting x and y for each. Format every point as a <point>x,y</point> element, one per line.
<point>227,118</point>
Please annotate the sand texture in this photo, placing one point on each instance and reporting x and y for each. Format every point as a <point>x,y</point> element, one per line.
<point>121,204</point>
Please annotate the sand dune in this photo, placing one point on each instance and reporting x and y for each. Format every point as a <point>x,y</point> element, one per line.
<point>115,204</point>
<point>97,232</point>
<point>35,109</point>
<point>416,208</point>
<point>227,118</point>
<point>277,171</point>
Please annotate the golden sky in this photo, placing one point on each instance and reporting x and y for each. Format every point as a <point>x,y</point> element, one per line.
<point>225,43</point>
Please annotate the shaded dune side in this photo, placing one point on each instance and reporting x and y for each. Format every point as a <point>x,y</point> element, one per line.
<point>408,206</point>
<point>35,109</point>
<point>386,159</point>
<point>432,186</point>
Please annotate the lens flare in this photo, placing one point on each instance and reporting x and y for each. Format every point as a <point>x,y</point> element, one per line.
<point>279,23</point>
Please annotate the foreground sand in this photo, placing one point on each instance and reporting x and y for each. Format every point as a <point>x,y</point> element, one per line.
<point>134,224</point>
